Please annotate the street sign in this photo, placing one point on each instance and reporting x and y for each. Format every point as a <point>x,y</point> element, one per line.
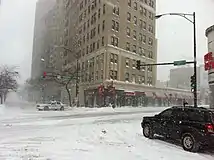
<point>179,63</point>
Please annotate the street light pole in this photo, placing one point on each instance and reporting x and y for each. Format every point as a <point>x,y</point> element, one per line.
<point>184,15</point>
<point>195,61</point>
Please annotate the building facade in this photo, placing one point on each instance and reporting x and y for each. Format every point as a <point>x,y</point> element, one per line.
<point>104,39</point>
<point>40,34</point>
<point>210,36</point>
<point>111,36</point>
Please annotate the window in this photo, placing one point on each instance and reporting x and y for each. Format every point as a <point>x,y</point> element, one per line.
<point>140,51</point>
<point>98,29</point>
<point>150,54</point>
<point>99,14</point>
<point>144,25</point>
<point>144,12</point>
<point>113,75</point>
<point>89,9</point>
<point>103,43</point>
<point>134,64</point>
<point>129,16</point>
<point>135,5</point>
<point>150,41</point>
<point>114,41</point>
<point>96,75</point>
<point>104,8</point>
<point>140,37</point>
<point>127,62</point>
<point>112,58</point>
<point>115,25</point>
<point>98,44</point>
<point>127,77</point>
<point>134,34</point>
<point>129,3</point>
<point>141,24</point>
<point>150,28</point>
<point>128,31</point>
<point>101,75</point>
<point>103,27</point>
<point>144,39</point>
<point>134,48</point>
<point>127,46</point>
<point>166,114</point>
<point>139,79</point>
<point>141,9</point>
<point>135,20</point>
<point>116,10</point>
<point>151,15</point>
<point>133,78</point>
<point>143,79</point>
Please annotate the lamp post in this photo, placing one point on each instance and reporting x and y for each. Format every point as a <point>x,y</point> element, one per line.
<point>184,15</point>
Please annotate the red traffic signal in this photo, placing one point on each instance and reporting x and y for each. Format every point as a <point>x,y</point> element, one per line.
<point>44,74</point>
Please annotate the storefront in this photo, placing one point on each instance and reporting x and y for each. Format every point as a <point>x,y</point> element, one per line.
<point>150,98</point>
<point>90,97</point>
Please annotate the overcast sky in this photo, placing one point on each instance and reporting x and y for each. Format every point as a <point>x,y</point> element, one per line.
<point>174,34</point>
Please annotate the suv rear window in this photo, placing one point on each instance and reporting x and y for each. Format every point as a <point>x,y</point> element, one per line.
<point>198,116</point>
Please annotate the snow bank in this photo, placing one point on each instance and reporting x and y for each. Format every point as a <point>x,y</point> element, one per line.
<point>2,108</point>
<point>121,109</point>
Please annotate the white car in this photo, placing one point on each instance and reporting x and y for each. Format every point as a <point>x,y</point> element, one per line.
<point>53,105</point>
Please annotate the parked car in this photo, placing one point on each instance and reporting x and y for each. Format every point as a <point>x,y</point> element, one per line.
<point>193,127</point>
<point>53,105</point>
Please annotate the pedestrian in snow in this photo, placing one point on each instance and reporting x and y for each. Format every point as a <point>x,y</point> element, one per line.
<point>185,103</point>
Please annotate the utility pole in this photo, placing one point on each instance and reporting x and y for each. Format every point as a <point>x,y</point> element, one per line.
<point>195,62</point>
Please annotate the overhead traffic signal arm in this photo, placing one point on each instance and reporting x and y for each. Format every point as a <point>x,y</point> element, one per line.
<point>175,63</point>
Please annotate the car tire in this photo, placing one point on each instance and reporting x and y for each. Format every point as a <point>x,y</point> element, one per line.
<point>189,143</point>
<point>46,108</point>
<point>62,109</point>
<point>148,131</point>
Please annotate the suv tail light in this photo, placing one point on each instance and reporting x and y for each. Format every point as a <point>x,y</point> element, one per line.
<point>210,128</point>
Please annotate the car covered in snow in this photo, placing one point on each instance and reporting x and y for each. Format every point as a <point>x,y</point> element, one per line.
<point>53,105</point>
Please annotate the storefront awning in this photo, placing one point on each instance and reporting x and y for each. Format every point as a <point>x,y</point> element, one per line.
<point>129,93</point>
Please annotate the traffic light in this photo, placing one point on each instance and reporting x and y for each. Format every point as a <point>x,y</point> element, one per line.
<point>44,74</point>
<point>193,83</point>
<point>138,65</point>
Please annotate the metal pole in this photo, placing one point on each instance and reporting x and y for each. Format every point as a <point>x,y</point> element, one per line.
<point>77,82</point>
<point>195,61</point>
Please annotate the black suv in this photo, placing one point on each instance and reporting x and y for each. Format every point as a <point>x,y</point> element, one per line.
<point>194,127</point>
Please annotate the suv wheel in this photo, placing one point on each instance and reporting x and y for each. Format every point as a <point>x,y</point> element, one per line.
<point>147,131</point>
<point>62,108</point>
<point>189,143</point>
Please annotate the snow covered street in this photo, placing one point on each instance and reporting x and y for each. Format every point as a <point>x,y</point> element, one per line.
<point>75,135</point>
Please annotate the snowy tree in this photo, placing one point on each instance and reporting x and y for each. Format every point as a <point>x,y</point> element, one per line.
<point>8,81</point>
